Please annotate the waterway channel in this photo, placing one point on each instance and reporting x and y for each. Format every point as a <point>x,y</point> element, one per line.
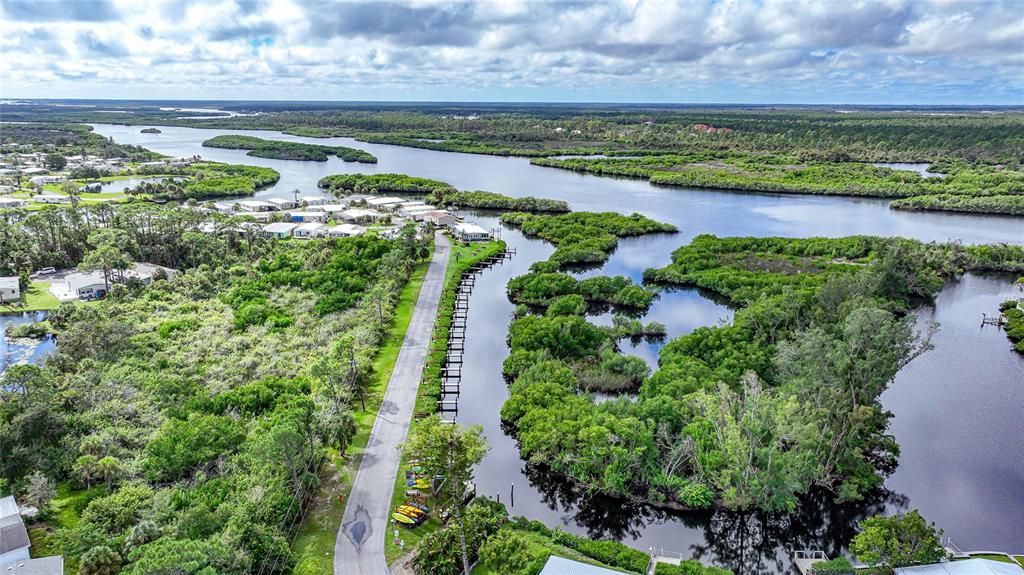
<point>957,410</point>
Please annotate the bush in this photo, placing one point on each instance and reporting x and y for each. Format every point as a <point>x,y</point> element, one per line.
<point>837,566</point>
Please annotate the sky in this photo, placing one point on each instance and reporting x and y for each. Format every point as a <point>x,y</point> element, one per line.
<point>695,51</point>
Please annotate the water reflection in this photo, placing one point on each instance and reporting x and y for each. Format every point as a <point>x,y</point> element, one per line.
<point>14,352</point>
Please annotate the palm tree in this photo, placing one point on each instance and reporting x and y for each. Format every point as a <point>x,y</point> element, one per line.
<point>109,468</point>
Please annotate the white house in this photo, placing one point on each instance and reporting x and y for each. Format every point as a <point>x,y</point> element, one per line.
<point>256,206</point>
<point>419,214</point>
<point>314,200</point>
<point>309,230</point>
<point>34,171</point>
<point>440,218</point>
<point>388,203</point>
<point>51,199</point>
<point>14,542</point>
<point>10,290</point>
<point>345,230</point>
<point>283,204</point>
<point>40,180</point>
<point>279,230</point>
<point>328,208</point>
<point>359,215</point>
<point>12,203</point>
<point>308,216</point>
<point>561,566</point>
<point>468,232</point>
<point>91,285</point>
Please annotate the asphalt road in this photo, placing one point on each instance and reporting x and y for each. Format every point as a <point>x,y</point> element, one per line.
<point>359,548</point>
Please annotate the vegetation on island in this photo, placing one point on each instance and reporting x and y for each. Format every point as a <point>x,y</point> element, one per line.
<point>898,541</point>
<point>752,414</point>
<point>582,237</point>
<point>63,140</point>
<point>202,406</point>
<point>151,131</point>
<point>1010,205</point>
<point>1013,314</point>
<point>344,184</point>
<point>206,180</point>
<point>492,201</point>
<point>281,150</point>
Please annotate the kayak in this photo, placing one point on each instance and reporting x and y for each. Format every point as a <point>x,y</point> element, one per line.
<point>403,519</point>
<point>422,507</point>
<point>421,484</point>
<point>410,511</point>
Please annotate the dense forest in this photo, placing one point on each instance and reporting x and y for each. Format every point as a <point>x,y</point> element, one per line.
<point>752,414</point>
<point>281,150</point>
<point>963,187</point>
<point>190,417</point>
<point>68,140</point>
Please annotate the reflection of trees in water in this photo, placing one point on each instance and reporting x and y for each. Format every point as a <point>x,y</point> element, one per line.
<point>748,543</point>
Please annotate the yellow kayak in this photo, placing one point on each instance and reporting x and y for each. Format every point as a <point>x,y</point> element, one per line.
<point>421,484</point>
<point>410,511</point>
<point>403,519</point>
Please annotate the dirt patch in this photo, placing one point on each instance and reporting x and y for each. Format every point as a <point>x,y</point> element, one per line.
<point>775,264</point>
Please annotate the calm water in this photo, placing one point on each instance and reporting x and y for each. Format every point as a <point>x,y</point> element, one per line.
<point>957,409</point>
<point>16,353</point>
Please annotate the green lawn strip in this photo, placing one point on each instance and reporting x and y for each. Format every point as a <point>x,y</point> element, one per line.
<point>461,257</point>
<point>539,543</point>
<point>993,557</point>
<point>36,298</point>
<point>314,543</point>
<point>64,513</point>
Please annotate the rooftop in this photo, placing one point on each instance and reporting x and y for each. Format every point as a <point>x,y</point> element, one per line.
<point>8,282</point>
<point>561,566</point>
<point>279,228</point>
<point>42,566</point>
<point>966,567</point>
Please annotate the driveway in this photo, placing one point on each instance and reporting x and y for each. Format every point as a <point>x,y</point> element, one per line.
<point>359,548</point>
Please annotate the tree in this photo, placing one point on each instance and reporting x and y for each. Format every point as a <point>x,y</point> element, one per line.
<point>898,541</point>
<point>450,451</point>
<point>109,468</point>
<point>55,162</point>
<point>39,491</point>
<point>85,468</point>
<point>110,253</point>
<point>71,190</point>
<point>100,560</point>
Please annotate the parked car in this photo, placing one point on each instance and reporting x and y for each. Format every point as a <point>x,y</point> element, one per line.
<point>44,272</point>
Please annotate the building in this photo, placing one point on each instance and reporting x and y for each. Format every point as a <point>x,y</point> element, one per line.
<point>309,230</point>
<point>10,289</point>
<point>308,216</point>
<point>561,566</point>
<point>345,230</point>
<point>283,204</point>
<point>468,232</point>
<point>34,171</point>
<point>389,203</point>
<point>256,206</point>
<point>359,215</point>
<point>51,199</point>
<point>92,285</point>
<point>279,230</point>
<point>40,180</point>
<point>14,541</point>
<point>12,203</point>
<point>42,566</point>
<point>440,218</point>
<point>328,208</point>
<point>313,200</point>
<point>965,567</point>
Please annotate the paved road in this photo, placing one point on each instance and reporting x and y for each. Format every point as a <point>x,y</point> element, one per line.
<point>359,548</point>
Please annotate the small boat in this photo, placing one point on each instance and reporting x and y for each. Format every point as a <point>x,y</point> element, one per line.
<point>409,511</point>
<point>421,506</point>
<point>421,484</point>
<point>405,520</point>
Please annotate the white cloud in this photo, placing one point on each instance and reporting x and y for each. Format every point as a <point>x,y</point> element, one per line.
<point>728,50</point>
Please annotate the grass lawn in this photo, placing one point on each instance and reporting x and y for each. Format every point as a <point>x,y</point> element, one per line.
<point>66,507</point>
<point>999,558</point>
<point>36,298</point>
<point>539,543</point>
<point>314,544</point>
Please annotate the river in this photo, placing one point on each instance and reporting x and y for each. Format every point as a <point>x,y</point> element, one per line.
<point>957,410</point>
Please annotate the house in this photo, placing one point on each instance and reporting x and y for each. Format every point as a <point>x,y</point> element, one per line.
<point>279,230</point>
<point>12,203</point>
<point>418,215</point>
<point>388,203</point>
<point>256,206</point>
<point>10,289</point>
<point>308,216</point>
<point>313,200</point>
<point>40,180</point>
<point>561,566</point>
<point>42,566</point>
<point>51,199</point>
<point>359,215</point>
<point>283,204</point>
<point>14,541</point>
<point>468,232</point>
<point>92,285</point>
<point>440,218</point>
<point>965,567</point>
<point>328,208</point>
<point>34,171</point>
<point>309,230</point>
<point>345,230</point>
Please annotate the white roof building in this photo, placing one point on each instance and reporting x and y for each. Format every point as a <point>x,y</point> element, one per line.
<point>12,203</point>
<point>314,200</point>
<point>561,566</point>
<point>79,285</point>
<point>51,199</point>
<point>10,289</point>
<point>283,204</point>
<point>965,567</point>
<point>345,230</point>
<point>14,542</point>
<point>256,206</point>
<point>468,232</point>
<point>360,215</point>
<point>329,208</point>
<point>308,216</point>
<point>279,230</point>
<point>384,202</point>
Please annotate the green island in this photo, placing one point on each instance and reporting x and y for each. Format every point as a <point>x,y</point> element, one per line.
<point>752,414</point>
<point>151,131</point>
<point>280,150</point>
<point>1013,315</point>
<point>222,443</point>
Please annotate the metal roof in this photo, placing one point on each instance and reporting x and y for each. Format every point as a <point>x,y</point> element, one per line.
<point>12,534</point>
<point>42,566</point>
<point>10,282</point>
<point>561,566</point>
<point>965,567</point>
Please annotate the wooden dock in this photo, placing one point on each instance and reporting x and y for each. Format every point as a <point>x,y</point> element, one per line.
<point>805,558</point>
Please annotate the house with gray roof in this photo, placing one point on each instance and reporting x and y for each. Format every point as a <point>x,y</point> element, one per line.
<point>42,566</point>
<point>561,566</point>
<point>14,541</point>
<point>10,289</point>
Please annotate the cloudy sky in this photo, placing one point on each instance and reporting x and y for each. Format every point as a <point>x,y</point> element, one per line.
<point>756,51</point>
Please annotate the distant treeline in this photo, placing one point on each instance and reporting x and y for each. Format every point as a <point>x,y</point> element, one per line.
<point>280,150</point>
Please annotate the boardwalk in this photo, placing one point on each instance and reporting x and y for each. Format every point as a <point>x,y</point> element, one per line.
<point>359,548</point>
